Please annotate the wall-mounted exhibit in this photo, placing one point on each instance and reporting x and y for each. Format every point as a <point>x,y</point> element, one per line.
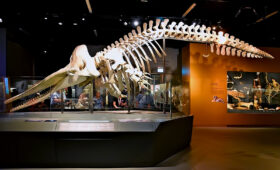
<point>250,92</point>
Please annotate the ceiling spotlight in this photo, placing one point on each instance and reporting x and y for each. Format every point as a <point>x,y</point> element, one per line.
<point>95,32</point>
<point>1,20</point>
<point>125,23</point>
<point>60,23</point>
<point>46,18</point>
<point>83,19</point>
<point>135,23</point>
<point>75,23</point>
<point>45,51</point>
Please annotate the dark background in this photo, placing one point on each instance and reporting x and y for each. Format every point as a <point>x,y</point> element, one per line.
<point>37,45</point>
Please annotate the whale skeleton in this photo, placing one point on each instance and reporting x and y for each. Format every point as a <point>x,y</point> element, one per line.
<point>127,61</point>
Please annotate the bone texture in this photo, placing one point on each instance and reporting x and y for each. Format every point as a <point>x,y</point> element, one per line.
<point>127,60</point>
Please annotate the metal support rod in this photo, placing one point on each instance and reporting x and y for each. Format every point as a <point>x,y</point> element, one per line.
<point>134,95</point>
<point>128,104</point>
<point>90,98</point>
<point>61,101</point>
<point>128,100</point>
<point>164,77</point>
<point>170,90</point>
<point>154,89</point>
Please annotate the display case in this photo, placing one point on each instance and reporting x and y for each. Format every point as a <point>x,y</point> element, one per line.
<point>160,96</point>
<point>4,90</point>
<point>97,133</point>
<point>87,121</point>
<point>165,91</point>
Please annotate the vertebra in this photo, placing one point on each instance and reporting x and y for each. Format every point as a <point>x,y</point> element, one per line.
<point>114,65</point>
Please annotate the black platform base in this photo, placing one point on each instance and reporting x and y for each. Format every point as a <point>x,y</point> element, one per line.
<point>120,148</point>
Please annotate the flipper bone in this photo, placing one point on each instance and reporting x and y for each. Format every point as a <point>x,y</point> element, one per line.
<point>133,43</point>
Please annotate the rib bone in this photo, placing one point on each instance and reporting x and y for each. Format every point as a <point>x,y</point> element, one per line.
<point>116,70</point>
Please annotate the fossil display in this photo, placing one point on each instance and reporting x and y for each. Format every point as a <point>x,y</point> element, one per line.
<point>126,60</point>
<point>254,91</point>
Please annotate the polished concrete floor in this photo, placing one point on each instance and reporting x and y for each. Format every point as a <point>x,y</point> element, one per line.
<point>226,149</point>
<point>230,149</point>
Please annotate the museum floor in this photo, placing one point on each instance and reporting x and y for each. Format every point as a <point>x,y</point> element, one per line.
<point>230,149</point>
<point>226,149</point>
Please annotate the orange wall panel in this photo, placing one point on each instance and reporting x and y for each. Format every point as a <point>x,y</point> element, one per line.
<point>208,78</point>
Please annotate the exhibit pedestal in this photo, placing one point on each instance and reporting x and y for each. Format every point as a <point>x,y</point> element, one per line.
<point>84,144</point>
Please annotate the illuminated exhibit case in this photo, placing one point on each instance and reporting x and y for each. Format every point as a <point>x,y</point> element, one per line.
<point>43,135</point>
<point>253,92</point>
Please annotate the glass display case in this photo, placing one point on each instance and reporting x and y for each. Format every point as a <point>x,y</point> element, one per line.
<point>159,96</point>
<point>165,92</point>
<point>88,120</point>
<point>3,92</point>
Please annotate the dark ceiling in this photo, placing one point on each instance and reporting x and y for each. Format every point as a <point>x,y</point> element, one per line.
<point>35,24</point>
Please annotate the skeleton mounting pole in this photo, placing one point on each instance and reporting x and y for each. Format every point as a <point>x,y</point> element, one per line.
<point>128,106</point>
<point>164,77</point>
<point>127,55</point>
<point>61,101</point>
<point>170,90</point>
<point>128,101</point>
<point>90,97</point>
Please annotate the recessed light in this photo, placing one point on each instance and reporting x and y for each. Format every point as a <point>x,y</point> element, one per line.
<point>125,23</point>
<point>136,23</point>
<point>83,19</point>
<point>1,20</point>
<point>95,32</point>
<point>60,23</point>
<point>46,18</point>
<point>75,23</point>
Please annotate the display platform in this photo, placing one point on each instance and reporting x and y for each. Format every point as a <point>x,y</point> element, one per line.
<point>101,139</point>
